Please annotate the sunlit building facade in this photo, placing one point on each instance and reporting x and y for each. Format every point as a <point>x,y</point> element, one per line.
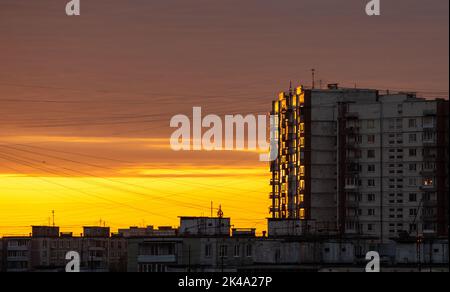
<point>288,170</point>
<point>361,162</point>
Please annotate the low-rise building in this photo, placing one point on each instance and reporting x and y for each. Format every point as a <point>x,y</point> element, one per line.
<point>204,244</point>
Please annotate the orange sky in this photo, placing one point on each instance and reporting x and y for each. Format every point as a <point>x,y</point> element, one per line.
<point>85,102</point>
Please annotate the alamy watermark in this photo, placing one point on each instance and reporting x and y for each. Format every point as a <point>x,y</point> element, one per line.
<point>373,266</point>
<point>373,8</point>
<point>73,266</point>
<point>73,8</point>
<point>228,135</point>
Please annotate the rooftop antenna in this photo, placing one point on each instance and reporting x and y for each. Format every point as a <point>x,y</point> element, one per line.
<point>313,72</point>
<point>53,218</point>
<point>212,209</point>
<point>220,212</point>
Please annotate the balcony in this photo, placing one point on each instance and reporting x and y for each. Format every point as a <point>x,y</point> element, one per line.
<point>429,113</point>
<point>352,130</point>
<point>353,168</point>
<point>429,157</point>
<point>274,182</point>
<point>352,116</point>
<point>430,204</point>
<point>428,172</point>
<point>428,187</point>
<point>274,209</point>
<point>273,195</point>
<point>170,258</point>
<point>351,187</point>
<point>428,184</point>
<point>351,204</point>
<point>429,143</point>
<point>292,136</point>
<point>351,146</point>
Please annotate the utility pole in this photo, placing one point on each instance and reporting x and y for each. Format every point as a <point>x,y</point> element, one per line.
<point>189,259</point>
<point>418,250</point>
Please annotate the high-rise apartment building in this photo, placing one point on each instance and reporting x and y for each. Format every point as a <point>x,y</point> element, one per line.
<point>361,163</point>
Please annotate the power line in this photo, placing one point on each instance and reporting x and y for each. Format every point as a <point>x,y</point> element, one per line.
<point>164,198</point>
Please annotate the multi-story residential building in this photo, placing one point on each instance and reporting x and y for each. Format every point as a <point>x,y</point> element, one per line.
<point>46,249</point>
<point>401,150</point>
<point>361,162</point>
<point>201,244</point>
<point>16,254</point>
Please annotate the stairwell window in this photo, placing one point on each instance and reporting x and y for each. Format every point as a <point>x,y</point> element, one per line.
<point>208,249</point>
<point>237,251</point>
<point>249,250</point>
<point>223,251</point>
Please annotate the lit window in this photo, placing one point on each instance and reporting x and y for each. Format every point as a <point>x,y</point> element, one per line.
<point>302,170</point>
<point>302,185</point>
<point>428,182</point>
<point>302,142</point>
<point>302,213</point>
